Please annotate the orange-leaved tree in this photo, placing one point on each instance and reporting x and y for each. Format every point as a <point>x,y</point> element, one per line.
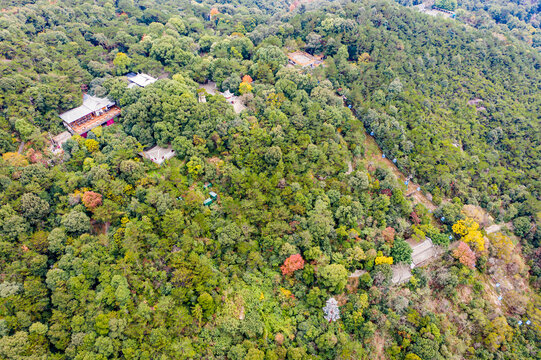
<point>91,199</point>
<point>292,264</point>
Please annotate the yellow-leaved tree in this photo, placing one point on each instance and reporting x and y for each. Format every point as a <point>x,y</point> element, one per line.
<point>245,88</point>
<point>501,246</point>
<point>469,232</point>
<point>384,260</point>
<point>92,145</point>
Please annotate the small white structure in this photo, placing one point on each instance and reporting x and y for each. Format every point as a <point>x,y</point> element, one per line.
<point>236,101</point>
<point>331,310</point>
<point>227,94</point>
<point>158,154</point>
<point>140,80</point>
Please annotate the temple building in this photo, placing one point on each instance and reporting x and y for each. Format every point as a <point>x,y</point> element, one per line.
<point>140,80</point>
<point>93,113</point>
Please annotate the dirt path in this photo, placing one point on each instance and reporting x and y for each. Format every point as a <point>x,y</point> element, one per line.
<point>210,87</point>
<point>235,101</point>
<point>493,228</point>
<point>374,155</point>
<point>350,168</point>
<point>378,342</point>
<point>21,147</point>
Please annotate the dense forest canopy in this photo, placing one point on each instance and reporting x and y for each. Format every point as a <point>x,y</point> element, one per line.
<point>276,231</point>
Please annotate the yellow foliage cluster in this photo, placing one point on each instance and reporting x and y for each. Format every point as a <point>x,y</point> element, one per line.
<point>80,140</point>
<point>501,246</point>
<point>81,190</point>
<point>384,260</point>
<point>476,239</point>
<point>115,197</point>
<point>463,227</point>
<point>245,88</point>
<point>92,145</point>
<point>197,140</point>
<point>418,233</point>
<point>497,332</point>
<point>285,292</point>
<point>119,234</point>
<point>468,229</point>
<point>129,190</point>
<point>275,100</point>
<point>364,58</point>
<point>98,131</point>
<point>14,159</point>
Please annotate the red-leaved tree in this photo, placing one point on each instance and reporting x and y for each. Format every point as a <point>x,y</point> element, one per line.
<point>292,263</point>
<point>91,199</point>
<point>388,234</point>
<point>415,218</point>
<point>465,255</point>
<point>387,192</point>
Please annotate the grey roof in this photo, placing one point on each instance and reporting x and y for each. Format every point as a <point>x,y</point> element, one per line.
<point>90,104</point>
<point>141,79</point>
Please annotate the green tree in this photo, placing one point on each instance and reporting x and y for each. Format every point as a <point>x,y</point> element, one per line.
<point>401,251</point>
<point>273,155</point>
<point>522,225</point>
<point>122,63</point>
<point>76,222</point>
<point>24,128</point>
<point>207,304</point>
<point>33,207</point>
<point>334,277</point>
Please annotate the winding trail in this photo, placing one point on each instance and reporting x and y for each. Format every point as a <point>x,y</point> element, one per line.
<point>350,168</point>
<point>374,155</point>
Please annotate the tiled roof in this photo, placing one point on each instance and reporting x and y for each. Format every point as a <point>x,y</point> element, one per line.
<point>90,104</point>
<point>141,80</point>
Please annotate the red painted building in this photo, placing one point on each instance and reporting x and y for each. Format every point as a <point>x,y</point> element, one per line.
<point>93,113</point>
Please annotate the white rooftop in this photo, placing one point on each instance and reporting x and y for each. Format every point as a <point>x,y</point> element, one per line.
<point>141,80</point>
<point>90,104</point>
<point>158,154</point>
